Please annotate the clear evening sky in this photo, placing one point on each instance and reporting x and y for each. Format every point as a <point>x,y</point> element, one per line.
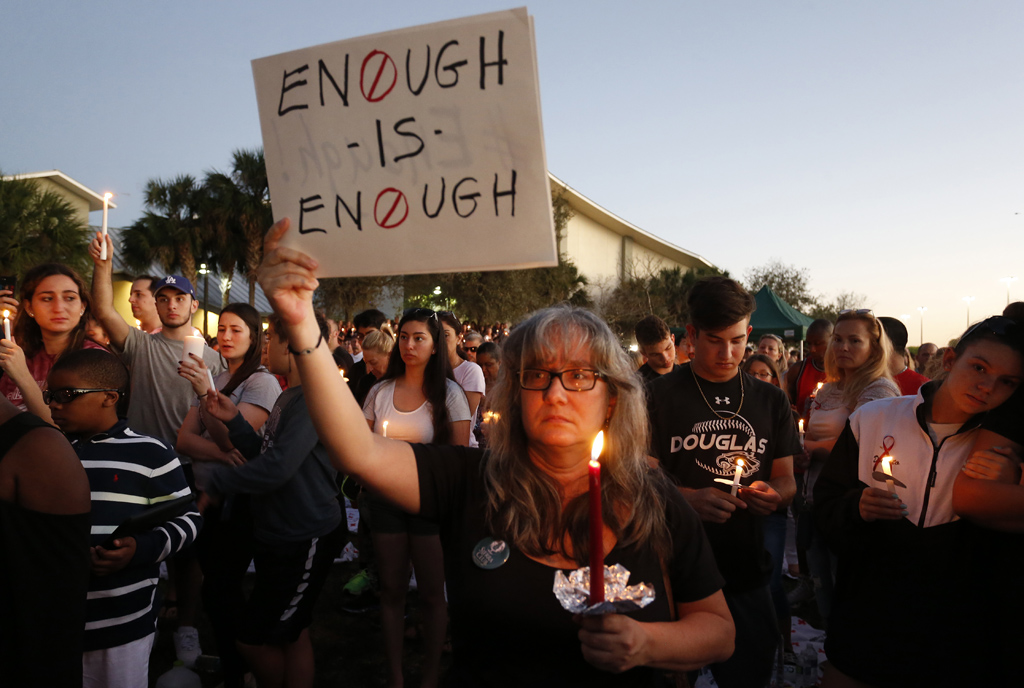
<point>878,144</point>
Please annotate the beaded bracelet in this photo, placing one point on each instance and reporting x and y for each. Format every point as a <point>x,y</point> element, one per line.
<point>305,352</point>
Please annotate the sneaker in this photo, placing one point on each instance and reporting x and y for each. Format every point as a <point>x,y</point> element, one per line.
<point>803,591</point>
<point>186,645</point>
<point>363,582</point>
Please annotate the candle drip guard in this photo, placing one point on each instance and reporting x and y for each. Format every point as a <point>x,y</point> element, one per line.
<point>574,592</point>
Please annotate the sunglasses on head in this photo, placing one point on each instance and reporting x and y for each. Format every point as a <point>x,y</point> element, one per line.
<point>856,311</point>
<point>420,313</point>
<point>998,325</point>
<point>66,395</point>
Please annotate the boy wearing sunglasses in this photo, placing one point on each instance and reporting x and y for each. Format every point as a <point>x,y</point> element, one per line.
<point>128,473</point>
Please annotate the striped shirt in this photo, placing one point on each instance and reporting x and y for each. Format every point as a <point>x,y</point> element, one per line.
<point>127,474</point>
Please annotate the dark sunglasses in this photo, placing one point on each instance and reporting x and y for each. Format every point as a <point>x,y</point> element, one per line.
<point>471,348</point>
<point>857,311</point>
<point>68,394</point>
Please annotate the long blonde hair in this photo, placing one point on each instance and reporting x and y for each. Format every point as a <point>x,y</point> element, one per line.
<point>877,365</point>
<point>524,504</point>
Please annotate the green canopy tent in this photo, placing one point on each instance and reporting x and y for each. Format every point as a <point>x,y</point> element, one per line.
<point>775,316</point>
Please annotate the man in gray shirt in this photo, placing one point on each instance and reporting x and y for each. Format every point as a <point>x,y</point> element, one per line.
<point>160,398</point>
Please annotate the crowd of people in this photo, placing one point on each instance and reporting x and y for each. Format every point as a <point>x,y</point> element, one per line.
<point>892,495</point>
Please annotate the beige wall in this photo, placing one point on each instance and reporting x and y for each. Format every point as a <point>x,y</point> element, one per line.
<point>606,257</point>
<point>595,249</point>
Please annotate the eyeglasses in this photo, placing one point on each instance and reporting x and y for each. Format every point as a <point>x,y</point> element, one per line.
<point>471,348</point>
<point>857,311</point>
<point>69,394</point>
<point>575,380</point>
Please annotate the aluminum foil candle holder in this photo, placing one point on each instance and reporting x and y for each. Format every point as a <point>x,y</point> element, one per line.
<point>573,592</point>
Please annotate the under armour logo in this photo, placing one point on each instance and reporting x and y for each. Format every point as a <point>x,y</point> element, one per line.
<point>722,400</point>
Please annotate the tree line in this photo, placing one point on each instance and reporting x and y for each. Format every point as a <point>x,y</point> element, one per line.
<point>219,220</point>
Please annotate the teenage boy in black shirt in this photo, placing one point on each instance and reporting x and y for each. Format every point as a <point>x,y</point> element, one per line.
<point>707,417</point>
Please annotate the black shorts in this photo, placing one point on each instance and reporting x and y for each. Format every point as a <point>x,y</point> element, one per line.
<point>289,579</point>
<point>387,518</point>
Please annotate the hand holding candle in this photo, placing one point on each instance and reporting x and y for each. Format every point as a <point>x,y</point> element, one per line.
<point>7,325</point>
<point>596,524</point>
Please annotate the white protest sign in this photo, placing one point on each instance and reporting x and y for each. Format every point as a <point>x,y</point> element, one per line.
<point>411,151</point>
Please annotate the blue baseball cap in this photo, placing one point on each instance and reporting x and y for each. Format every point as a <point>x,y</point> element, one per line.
<point>176,282</point>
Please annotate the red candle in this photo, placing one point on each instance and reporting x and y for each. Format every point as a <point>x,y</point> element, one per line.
<point>596,524</point>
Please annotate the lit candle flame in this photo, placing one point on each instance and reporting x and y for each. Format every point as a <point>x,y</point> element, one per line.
<point>801,425</point>
<point>107,196</point>
<point>886,461</point>
<point>739,463</point>
<point>595,450</point>
<point>385,428</point>
<point>7,314</point>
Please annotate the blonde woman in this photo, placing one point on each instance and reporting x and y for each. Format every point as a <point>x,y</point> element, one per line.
<point>856,372</point>
<point>377,348</point>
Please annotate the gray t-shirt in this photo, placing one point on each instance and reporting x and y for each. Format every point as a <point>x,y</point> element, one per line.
<point>160,397</point>
<point>259,389</point>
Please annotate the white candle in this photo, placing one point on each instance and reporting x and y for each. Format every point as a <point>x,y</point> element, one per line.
<point>800,427</point>
<point>193,345</point>
<point>886,460</point>
<point>7,325</point>
<point>103,242</point>
<point>209,378</point>
<point>138,324</point>
<point>385,428</point>
<point>736,478</point>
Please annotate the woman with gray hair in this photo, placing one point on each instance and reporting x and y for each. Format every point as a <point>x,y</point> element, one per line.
<point>513,516</point>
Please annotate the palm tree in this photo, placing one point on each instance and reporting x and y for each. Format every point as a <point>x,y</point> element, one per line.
<point>238,209</point>
<point>38,227</point>
<point>169,231</point>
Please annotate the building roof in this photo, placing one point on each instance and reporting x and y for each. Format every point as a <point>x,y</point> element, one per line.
<point>604,217</point>
<point>60,179</point>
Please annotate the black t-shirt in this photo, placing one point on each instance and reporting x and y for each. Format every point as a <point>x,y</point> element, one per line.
<point>508,629</point>
<point>650,375</point>
<point>695,446</point>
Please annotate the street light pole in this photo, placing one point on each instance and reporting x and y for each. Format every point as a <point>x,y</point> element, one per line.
<point>1009,281</point>
<point>921,310</point>
<point>968,299</point>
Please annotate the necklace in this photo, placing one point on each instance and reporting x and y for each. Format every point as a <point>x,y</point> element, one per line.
<point>713,409</point>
